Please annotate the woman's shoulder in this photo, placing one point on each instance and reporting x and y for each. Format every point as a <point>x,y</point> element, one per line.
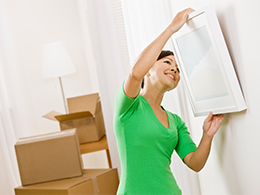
<point>124,104</point>
<point>122,95</point>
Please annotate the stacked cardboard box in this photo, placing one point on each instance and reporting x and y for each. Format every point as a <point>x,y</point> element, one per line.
<point>85,114</point>
<point>93,181</point>
<point>49,157</point>
<point>52,163</point>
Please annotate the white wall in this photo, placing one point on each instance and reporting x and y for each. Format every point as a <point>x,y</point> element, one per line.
<point>237,141</point>
<point>33,23</point>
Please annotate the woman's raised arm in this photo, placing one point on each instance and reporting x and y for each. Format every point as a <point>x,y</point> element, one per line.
<point>150,54</point>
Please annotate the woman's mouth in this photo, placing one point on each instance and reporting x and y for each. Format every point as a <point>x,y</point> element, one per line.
<point>169,75</point>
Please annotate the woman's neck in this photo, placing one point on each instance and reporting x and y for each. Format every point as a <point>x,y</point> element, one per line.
<point>153,96</point>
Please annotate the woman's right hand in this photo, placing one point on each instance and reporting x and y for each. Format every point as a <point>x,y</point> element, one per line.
<point>180,19</point>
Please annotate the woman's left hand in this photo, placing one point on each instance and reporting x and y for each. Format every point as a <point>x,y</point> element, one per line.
<point>212,124</point>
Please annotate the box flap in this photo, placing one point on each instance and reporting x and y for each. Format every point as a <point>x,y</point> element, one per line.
<point>83,103</point>
<point>51,115</point>
<point>66,117</point>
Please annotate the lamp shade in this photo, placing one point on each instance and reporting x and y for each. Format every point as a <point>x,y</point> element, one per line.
<point>56,61</point>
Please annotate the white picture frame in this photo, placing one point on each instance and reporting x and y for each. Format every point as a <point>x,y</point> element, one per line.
<point>206,67</point>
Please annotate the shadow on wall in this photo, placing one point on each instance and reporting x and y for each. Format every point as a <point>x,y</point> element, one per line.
<point>226,151</point>
<point>228,25</point>
<point>223,139</point>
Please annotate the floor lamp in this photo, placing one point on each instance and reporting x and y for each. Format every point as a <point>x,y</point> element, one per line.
<point>57,63</point>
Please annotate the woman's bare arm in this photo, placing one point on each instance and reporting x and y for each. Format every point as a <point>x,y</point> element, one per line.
<point>150,54</point>
<point>196,160</point>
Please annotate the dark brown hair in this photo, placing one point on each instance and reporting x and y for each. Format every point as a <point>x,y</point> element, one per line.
<point>163,54</point>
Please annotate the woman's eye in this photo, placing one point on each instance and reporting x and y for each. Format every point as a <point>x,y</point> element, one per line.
<point>168,62</point>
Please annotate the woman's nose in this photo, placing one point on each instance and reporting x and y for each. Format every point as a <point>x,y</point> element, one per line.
<point>173,70</point>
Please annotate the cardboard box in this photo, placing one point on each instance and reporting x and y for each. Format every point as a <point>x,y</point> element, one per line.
<point>85,114</point>
<point>49,157</point>
<point>93,181</point>
<point>105,181</point>
<point>62,187</point>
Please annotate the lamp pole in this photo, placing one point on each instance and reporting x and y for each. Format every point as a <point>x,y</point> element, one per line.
<point>64,101</point>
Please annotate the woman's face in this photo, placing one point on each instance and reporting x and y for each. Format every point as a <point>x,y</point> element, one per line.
<point>166,72</point>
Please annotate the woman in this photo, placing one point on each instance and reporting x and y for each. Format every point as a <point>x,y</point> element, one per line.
<point>146,133</point>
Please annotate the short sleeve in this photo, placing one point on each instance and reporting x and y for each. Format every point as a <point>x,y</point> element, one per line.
<point>122,102</point>
<point>185,144</point>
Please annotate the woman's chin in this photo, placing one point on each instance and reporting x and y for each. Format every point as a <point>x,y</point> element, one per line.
<point>171,86</point>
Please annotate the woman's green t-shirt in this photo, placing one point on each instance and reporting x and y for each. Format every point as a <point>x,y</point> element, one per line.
<point>145,147</point>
